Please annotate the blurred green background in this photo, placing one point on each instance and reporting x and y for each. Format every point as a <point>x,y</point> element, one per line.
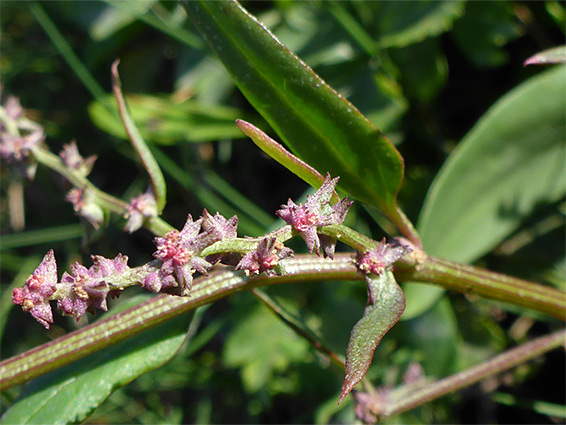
<point>423,72</point>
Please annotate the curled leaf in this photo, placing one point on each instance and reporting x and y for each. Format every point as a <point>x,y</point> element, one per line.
<point>386,303</point>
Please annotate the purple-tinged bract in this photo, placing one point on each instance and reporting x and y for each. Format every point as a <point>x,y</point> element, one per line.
<point>265,258</point>
<point>141,208</point>
<point>34,295</point>
<point>380,258</point>
<point>71,158</point>
<point>316,212</point>
<point>179,253</point>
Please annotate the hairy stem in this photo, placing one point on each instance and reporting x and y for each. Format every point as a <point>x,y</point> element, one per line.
<point>301,268</point>
<point>116,328</point>
<point>484,283</point>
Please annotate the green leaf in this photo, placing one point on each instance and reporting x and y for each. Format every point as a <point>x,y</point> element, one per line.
<point>162,121</point>
<point>423,69</point>
<point>70,394</point>
<point>400,24</point>
<point>385,306</point>
<point>114,19</point>
<point>263,346</point>
<point>319,126</point>
<point>511,161</point>
<point>434,336</point>
<point>41,236</point>
<point>484,30</point>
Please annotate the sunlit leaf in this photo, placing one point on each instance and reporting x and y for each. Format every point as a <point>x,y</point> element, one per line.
<point>161,120</point>
<point>320,126</point>
<point>510,162</point>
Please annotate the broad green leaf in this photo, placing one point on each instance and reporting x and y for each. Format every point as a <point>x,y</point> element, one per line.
<point>70,394</point>
<point>161,120</point>
<point>511,161</point>
<point>434,337</point>
<point>319,126</point>
<point>385,307</point>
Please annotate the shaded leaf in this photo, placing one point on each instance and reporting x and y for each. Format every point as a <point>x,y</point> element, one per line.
<point>261,345</point>
<point>510,162</point>
<point>484,30</point>
<point>161,120</point>
<point>400,24</point>
<point>423,67</point>
<point>320,126</point>
<point>71,393</point>
<point>114,19</point>
<point>367,333</point>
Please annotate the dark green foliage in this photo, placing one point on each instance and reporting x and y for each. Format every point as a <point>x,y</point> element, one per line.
<point>424,73</point>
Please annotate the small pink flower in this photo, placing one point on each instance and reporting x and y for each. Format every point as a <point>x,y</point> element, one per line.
<point>316,212</point>
<point>34,295</point>
<point>265,258</point>
<point>16,151</point>
<point>219,228</point>
<point>380,258</point>
<point>141,208</point>
<point>85,206</point>
<point>86,289</point>
<point>179,253</point>
<point>71,157</point>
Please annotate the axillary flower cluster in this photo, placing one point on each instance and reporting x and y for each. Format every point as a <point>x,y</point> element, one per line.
<point>179,255</point>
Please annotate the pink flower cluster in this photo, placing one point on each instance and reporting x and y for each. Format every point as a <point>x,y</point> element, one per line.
<point>179,253</point>
<point>18,136</point>
<point>316,212</point>
<point>265,259</point>
<point>380,258</point>
<point>81,291</point>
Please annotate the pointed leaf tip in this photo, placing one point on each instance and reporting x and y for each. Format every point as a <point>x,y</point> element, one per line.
<point>377,320</point>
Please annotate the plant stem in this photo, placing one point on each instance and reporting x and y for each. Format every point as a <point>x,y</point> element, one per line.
<point>67,52</point>
<point>105,200</point>
<point>116,328</point>
<point>498,364</point>
<point>484,283</point>
<point>301,268</point>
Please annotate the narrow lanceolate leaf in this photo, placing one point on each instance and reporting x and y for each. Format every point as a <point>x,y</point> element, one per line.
<point>386,304</point>
<point>319,125</point>
<point>282,156</point>
<point>149,162</point>
<point>554,55</point>
<point>70,394</point>
<point>511,162</point>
